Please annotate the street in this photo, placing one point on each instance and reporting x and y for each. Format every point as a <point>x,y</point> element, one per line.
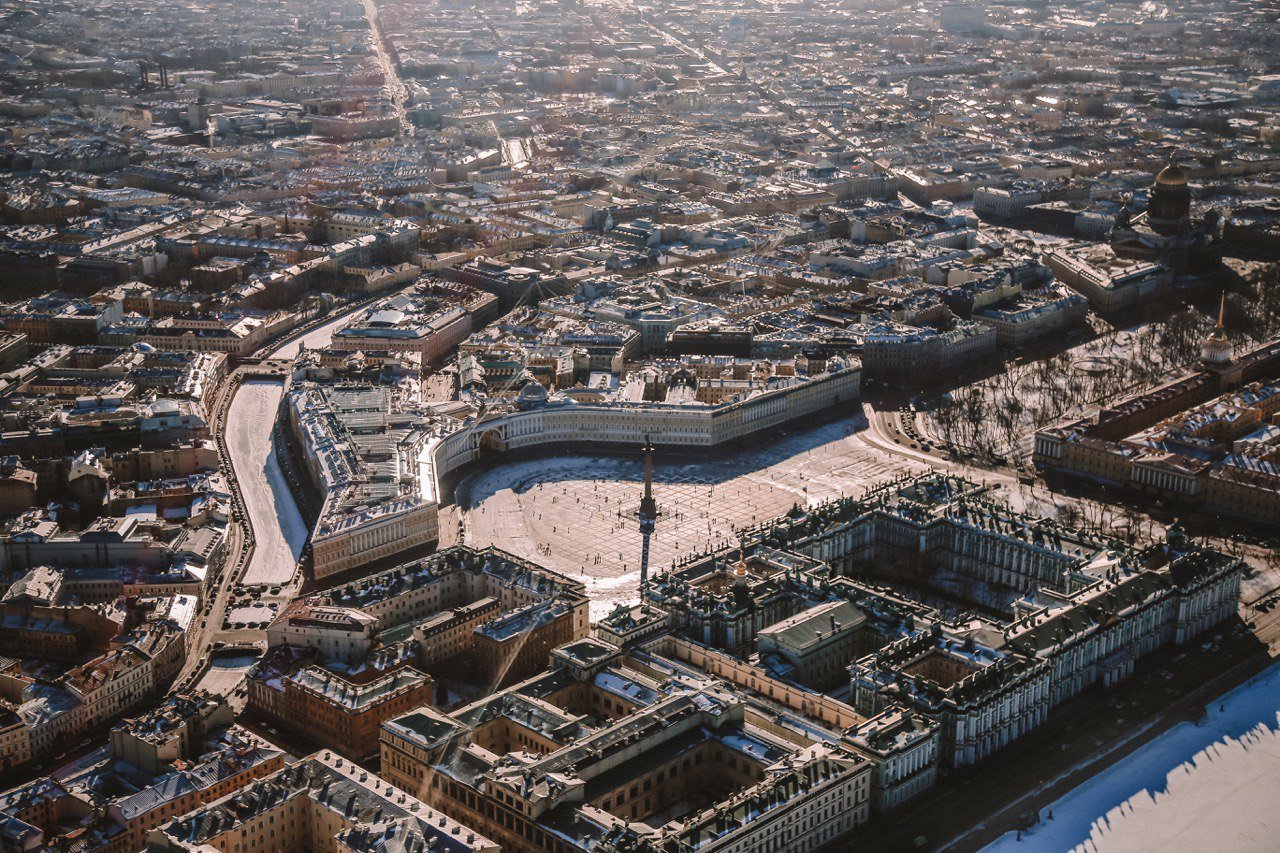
<point>392,86</point>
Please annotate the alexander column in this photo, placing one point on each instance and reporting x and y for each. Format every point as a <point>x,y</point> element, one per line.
<point>648,514</point>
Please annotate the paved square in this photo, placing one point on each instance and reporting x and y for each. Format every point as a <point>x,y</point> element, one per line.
<point>575,514</point>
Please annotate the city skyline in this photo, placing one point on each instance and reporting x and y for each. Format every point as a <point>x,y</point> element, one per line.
<point>800,425</point>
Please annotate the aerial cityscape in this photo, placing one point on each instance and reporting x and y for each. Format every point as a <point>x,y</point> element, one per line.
<point>440,425</point>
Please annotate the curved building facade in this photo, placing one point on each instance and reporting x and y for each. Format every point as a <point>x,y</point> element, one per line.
<point>672,426</point>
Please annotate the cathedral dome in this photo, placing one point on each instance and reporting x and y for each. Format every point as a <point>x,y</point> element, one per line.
<point>532,394</point>
<point>1169,205</point>
<point>1172,175</point>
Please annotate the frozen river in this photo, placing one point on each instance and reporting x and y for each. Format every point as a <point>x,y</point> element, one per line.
<point>278,529</point>
<point>321,336</point>
<point>1211,786</point>
<point>317,338</point>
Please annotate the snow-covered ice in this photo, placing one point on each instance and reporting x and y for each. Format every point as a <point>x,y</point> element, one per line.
<point>317,338</point>
<point>1211,786</point>
<point>278,529</point>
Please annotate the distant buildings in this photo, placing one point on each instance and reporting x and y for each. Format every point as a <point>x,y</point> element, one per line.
<point>1206,439</point>
<point>1110,283</point>
<point>896,351</point>
<point>711,726</point>
<point>430,321</point>
<point>238,335</point>
<point>345,660</point>
<point>675,420</point>
<point>112,656</point>
<point>58,320</point>
<point>649,308</point>
<point>1031,316</point>
<point>1165,232</point>
<point>1072,602</point>
<point>176,757</point>
<point>555,349</point>
<point>1009,203</point>
<point>321,803</point>
<point>629,753</point>
<point>358,441</point>
<point>340,708</point>
<point>963,18</point>
<point>512,285</point>
<point>704,231</point>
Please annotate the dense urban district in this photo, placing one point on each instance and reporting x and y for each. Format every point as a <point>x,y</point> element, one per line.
<point>431,425</point>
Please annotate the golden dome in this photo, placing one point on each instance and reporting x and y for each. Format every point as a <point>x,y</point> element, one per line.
<point>1172,175</point>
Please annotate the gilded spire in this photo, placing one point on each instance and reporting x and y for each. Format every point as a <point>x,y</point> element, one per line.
<point>1216,350</point>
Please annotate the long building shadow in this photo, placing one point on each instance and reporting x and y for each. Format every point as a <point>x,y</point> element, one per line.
<point>1091,814</point>
<point>521,470</point>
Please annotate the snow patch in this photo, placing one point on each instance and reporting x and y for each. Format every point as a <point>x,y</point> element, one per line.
<point>1207,786</point>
